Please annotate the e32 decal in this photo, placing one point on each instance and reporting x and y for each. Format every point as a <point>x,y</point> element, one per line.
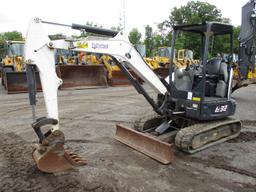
<point>221,108</point>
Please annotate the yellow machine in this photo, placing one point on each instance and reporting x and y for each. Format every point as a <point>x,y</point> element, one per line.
<point>79,70</point>
<point>13,68</point>
<point>239,82</point>
<point>88,59</point>
<point>185,57</point>
<point>163,56</point>
<point>109,65</point>
<point>152,63</point>
<point>114,75</point>
<point>160,63</point>
<point>14,55</point>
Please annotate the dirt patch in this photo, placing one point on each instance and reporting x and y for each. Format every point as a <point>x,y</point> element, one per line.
<point>218,162</point>
<point>88,120</point>
<point>244,137</point>
<point>249,123</point>
<point>19,173</point>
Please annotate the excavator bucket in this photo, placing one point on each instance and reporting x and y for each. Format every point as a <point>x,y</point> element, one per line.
<point>119,79</point>
<point>82,76</point>
<point>51,157</point>
<point>16,82</point>
<point>149,145</point>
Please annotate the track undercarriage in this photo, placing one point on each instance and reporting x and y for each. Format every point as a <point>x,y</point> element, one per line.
<point>156,137</point>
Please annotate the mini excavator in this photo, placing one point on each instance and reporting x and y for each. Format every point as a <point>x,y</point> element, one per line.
<point>193,104</point>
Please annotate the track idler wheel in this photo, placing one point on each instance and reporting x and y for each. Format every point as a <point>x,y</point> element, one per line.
<point>50,156</point>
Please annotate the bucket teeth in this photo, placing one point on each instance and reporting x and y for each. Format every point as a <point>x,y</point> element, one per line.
<point>75,159</point>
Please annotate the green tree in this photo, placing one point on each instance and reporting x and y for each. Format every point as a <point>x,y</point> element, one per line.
<point>191,13</point>
<point>154,40</point>
<point>11,36</point>
<point>115,28</point>
<point>236,34</point>
<point>135,36</point>
<point>8,36</point>
<point>149,42</point>
<point>57,36</point>
<point>194,12</point>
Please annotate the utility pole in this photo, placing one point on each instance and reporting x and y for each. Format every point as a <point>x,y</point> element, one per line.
<point>122,15</point>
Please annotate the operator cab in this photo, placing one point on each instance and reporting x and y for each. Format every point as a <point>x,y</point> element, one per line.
<point>204,89</point>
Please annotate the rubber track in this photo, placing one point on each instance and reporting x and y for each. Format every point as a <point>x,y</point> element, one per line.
<point>185,136</point>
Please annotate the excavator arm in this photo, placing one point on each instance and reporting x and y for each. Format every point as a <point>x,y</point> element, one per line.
<point>247,46</point>
<point>50,156</point>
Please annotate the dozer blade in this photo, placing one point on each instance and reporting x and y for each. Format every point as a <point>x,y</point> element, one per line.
<point>146,144</point>
<point>51,157</point>
<point>82,76</point>
<point>16,82</point>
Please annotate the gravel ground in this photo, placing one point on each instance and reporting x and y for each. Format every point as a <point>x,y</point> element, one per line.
<point>88,119</point>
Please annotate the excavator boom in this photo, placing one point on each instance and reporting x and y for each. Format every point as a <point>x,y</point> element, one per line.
<point>51,156</point>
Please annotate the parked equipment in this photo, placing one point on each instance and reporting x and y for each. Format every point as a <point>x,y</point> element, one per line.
<point>114,75</point>
<point>13,69</point>
<point>79,70</point>
<point>82,76</point>
<point>160,63</point>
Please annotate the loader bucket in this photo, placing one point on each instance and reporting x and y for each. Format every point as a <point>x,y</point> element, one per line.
<point>16,82</point>
<point>51,157</point>
<point>146,144</point>
<point>119,79</point>
<point>162,72</point>
<point>82,76</point>
<point>237,83</point>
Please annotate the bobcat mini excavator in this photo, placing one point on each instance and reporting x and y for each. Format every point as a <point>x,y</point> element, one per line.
<point>193,105</point>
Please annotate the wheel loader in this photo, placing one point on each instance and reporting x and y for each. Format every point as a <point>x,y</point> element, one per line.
<point>160,63</point>
<point>79,70</point>
<point>114,75</point>
<point>13,70</point>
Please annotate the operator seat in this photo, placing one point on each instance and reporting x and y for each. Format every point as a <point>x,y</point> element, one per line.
<point>216,78</point>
